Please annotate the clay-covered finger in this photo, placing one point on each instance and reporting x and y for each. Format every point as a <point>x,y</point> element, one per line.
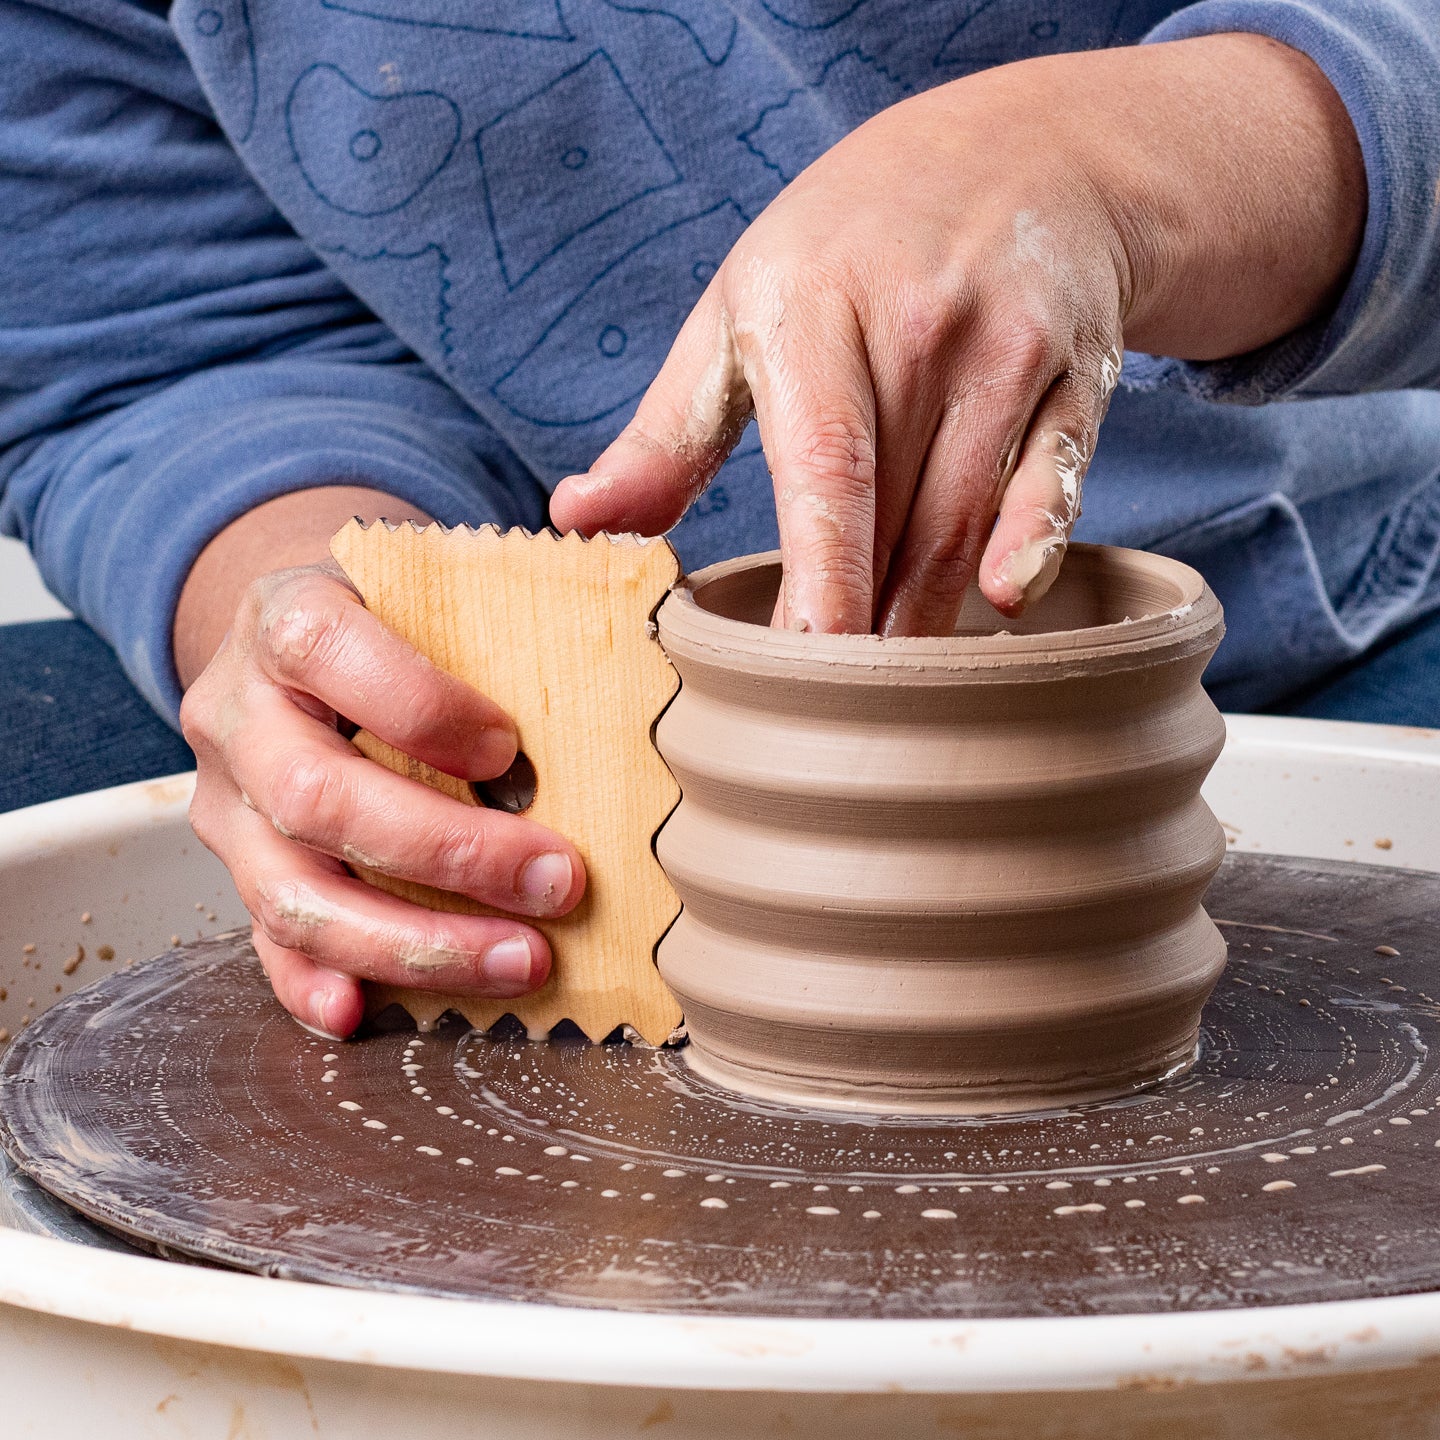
<point>318,790</point>
<point>815,404</point>
<point>313,636</point>
<point>966,470</point>
<point>687,423</point>
<point>324,1001</point>
<point>909,409</point>
<point>307,903</point>
<point>1041,502</point>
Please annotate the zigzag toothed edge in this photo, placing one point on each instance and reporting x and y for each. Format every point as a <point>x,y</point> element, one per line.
<point>431,1013</point>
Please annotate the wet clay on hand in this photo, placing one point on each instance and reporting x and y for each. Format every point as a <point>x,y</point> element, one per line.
<point>958,874</point>
<point>555,630</point>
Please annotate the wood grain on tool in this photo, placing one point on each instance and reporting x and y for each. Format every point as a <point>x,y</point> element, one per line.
<point>556,630</point>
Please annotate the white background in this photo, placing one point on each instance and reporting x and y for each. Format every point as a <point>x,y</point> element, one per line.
<point>23,595</point>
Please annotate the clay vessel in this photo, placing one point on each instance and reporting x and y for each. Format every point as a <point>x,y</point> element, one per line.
<point>959,874</point>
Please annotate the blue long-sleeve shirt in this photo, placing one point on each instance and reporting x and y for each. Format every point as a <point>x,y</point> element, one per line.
<point>440,247</point>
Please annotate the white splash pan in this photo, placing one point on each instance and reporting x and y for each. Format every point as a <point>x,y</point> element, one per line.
<point>95,1343</point>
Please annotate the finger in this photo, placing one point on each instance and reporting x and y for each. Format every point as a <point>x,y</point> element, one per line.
<point>315,637</point>
<point>687,423</point>
<point>308,904</point>
<point>324,1001</point>
<point>1042,500</point>
<point>909,405</point>
<point>815,404</point>
<point>954,506</point>
<point>317,789</point>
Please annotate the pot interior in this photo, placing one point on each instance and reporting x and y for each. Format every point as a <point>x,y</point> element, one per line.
<point>1098,585</point>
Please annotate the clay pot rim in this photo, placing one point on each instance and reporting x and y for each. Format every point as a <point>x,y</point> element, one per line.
<point>1188,626</point>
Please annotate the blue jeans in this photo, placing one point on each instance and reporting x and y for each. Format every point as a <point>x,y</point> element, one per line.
<point>70,721</point>
<point>1396,683</point>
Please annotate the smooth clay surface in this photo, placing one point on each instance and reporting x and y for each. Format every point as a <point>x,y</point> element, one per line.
<point>959,874</point>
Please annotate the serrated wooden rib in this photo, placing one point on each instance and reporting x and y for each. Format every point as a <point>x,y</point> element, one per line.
<point>556,630</point>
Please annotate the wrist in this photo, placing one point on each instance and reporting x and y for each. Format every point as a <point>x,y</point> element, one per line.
<point>1235,185</point>
<point>283,533</point>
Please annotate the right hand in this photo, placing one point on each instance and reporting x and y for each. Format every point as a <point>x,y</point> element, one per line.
<point>284,800</point>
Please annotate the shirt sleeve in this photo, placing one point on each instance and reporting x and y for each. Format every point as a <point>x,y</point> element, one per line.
<point>171,353</point>
<point>117,510</point>
<point>1383,58</point>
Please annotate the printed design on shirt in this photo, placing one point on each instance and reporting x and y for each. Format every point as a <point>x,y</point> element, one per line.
<point>409,284</point>
<point>741,493</point>
<point>367,154</point>
<point>519,19</point>
<point>221,34</point>
<point>994,32</point>
<point>811,14</point>
<point>711,25</point>
<point>601,351</point>
<point>564,159</point>
<point>794,131</point>
<point>1135,19</point>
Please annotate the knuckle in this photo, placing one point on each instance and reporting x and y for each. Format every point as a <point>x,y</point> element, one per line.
<point>765,289</point>
<point>253,599</point>
<point>938,587</point>
<point>760,277</point>
<point>837,448</point>
<point>841,570</point>
<point>948,557</point>
<point>311,797</point>
<point>202,709</point>
<point>303,630</point>
<point>194,716</point>
<point>1097,341</point>
<point>204,821</point>
<point>288,912</point>
<point>1025,344</point>
<point>461,852</point>
<point>1037,516</point>
<point>923,324</point>
<point>1064,455</point>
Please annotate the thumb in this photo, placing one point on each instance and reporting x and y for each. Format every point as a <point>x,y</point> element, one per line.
<point>687,423</point>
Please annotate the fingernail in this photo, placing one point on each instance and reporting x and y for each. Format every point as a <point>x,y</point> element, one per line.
<point>326,1007</point>
<point>546,880</point>
<point>317,1032</point>
<point>509,964</point>
<point>591,483</point>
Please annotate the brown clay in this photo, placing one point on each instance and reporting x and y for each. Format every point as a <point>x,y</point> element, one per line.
<point>959,874</point>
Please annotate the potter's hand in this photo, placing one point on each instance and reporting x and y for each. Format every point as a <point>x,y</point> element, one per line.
<point>285,801</point>
<point>927,323</point>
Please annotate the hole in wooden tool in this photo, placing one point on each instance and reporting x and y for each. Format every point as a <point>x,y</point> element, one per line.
<point>513,792</point>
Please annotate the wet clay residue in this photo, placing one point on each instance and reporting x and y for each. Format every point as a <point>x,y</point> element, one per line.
<point>957,874</point>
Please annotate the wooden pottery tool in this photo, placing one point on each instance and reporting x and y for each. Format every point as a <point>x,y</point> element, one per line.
<point>558,631</point>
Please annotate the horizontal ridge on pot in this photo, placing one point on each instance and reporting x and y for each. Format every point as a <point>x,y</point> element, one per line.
<point>959,873</point>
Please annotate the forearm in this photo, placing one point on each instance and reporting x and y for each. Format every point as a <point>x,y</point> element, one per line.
<point>1226,168</point>
<point>294,529</point>
<point>1236,184</point>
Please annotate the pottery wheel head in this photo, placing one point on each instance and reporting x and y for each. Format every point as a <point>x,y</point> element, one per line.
<point>176,1103</point>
